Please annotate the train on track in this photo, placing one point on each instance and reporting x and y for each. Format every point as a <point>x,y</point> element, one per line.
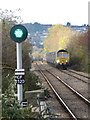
<point>59,58</point>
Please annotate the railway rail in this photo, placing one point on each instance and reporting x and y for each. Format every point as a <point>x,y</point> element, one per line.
<point>78,73</point>
<point>68,72</point>
<point>72,89</point>
<point>58,96</point>
<point>57,93</point>
<point>79,83</point>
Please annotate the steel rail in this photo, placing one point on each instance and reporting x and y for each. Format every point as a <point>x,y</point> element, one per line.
<point>74,76</point>
<point>57,95</point>
<point>76,92</point>
<point>78,73</point>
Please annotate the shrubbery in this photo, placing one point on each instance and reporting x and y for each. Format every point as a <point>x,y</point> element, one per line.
<point>9,54</point>
<point>10,107</point>
<point>60,37</point>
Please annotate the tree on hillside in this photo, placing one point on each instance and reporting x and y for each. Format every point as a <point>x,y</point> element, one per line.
<point>78,50</point>
<point>57,38</point>
<point>60,37</point>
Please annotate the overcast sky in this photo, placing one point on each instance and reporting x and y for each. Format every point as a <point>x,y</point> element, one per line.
<point>50,11</point>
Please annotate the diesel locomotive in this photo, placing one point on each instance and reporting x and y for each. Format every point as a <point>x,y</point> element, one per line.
<point>59,58</point>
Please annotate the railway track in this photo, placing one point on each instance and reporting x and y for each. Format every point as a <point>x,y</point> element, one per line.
<point>80,83</point>
<point>68,72</point>
<point>67,95</point>
<point>78,73</point>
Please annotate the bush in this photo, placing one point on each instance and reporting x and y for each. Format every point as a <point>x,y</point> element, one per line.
<point>11,109</point>
<point>31,81</point>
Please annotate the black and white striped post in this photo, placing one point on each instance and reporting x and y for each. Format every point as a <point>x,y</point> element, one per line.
<point>18,34</point>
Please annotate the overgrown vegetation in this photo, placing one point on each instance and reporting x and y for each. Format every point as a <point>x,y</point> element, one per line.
<point>11,109</point>
<point>31,82</point>
<point>9,53</point>
<point>60,37</point>
<point>10,104</point>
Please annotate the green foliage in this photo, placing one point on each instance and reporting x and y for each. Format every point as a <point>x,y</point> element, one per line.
<point>57,38</point>
<point>9,103</point>
<point>60,37</point>
<point>26,49</point>
<point>31,82</point>
<point>9,48</point>
<point>11,109</point>
<point>9,54</point>
<point>10,106</point>
<point>79,53</point>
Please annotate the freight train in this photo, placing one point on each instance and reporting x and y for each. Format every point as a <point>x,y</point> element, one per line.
<point>59,58</point>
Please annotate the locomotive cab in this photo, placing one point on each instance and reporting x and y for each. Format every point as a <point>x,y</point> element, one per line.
<point>62,59</point>
<point>59,59</point>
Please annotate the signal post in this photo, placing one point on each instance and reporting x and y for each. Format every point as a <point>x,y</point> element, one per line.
<point>18,34</point>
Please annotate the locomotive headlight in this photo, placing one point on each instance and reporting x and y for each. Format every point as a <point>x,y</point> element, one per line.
<point>58,61</point>
<point>66,60</point>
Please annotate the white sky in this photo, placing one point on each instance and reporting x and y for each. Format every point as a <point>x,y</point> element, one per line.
<point>50,11</point>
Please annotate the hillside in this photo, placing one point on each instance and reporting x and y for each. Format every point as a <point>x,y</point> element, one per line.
<point>37,33</point>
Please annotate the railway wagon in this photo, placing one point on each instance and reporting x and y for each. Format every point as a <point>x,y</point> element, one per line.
<point>59,58</point>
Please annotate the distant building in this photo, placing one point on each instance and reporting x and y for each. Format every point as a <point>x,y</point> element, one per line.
<point>82,29</point>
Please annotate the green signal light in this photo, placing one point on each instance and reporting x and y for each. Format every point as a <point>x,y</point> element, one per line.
<point>18,33</point>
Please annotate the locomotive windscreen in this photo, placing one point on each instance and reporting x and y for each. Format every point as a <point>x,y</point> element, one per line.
<point>65,55</point>
<point>59,55</point>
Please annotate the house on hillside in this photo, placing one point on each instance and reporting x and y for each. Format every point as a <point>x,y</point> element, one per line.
<point>82,29</point>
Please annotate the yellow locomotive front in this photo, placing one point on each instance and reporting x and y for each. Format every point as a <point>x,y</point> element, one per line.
<point>62,59</point>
